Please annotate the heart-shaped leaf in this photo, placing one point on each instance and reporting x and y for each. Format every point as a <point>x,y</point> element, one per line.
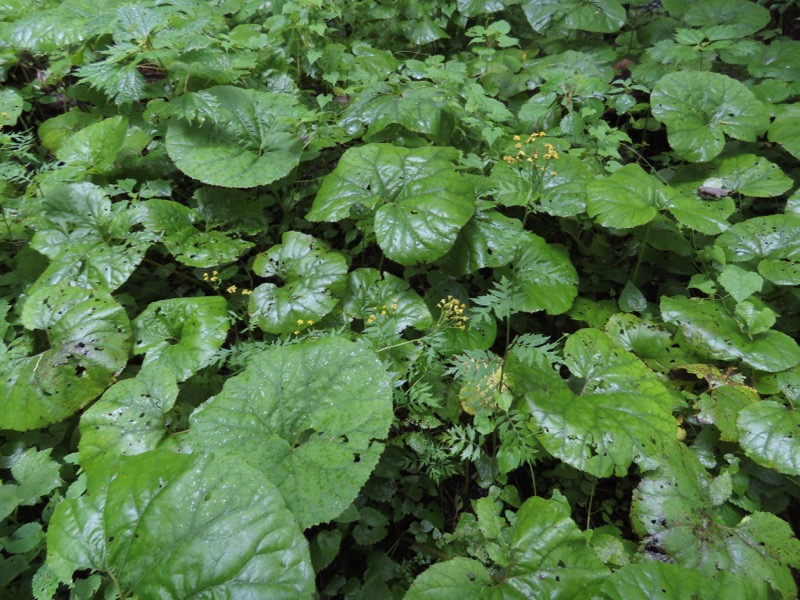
<point>248,139</point>
<point>308,416</point>
<point>603,16</point>
<point>368,293</point>
<point>785,129</point>
<point>168,525</point>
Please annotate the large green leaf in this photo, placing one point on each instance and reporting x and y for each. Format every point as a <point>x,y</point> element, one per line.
<point>90,241</point>
<point>547,554</point>
<point>473,8</point>
<point>455,579</point>
<point>246,139</point>
<point>542,275</point>
<point>130,417</point>
<point>628,198</point>
<point>676,509</point>
<point>740,17</point>
<point>701,108</point>
<point>184,526</point>
<point>306,272</point>
<point>308,416</point>
<point>88,335</point>
<point>768,432</point>
<point>667,581</point>
<point>174,224</point>
<point>419,200</point>
<point>785,129</point>
<point>182,333</point>
<point>747,174</point>
<point>419,107</point>
<point>614,411</point>
<point>602,16</point>
<point>712,329</point>
<point>94,149</point>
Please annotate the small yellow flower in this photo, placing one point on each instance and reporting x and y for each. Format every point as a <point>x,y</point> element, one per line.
<point>309,322</point>
<point>246,292</point>
<point>231,289</point>
<point>296,332</point>
<point>516,138</point>
<point>300,321</point>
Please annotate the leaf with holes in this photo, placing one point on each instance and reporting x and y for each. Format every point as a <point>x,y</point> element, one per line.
<point>370,293</point>
<point>676,509</point>
<point>91,241</point>
<point>89,339</point>
<point>173,223</point>
<point>129,418</point>
<point>310,416</point>
<point>713,330</point>
<point>306,275</point>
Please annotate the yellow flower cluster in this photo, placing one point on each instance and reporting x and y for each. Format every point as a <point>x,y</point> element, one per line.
<point>383,310</point>
<point>232,290</point>
<point>453,313</point>
<point>528,154</point>
<point>301,322</point>
<point>213,278</point>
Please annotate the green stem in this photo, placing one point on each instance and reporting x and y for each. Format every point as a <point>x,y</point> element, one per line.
<point>641,253</point>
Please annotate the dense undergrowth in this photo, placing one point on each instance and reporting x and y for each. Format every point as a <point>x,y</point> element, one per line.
<point>399,299</point>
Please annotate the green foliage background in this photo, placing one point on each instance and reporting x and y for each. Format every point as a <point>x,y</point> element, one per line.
<point>399,299</point>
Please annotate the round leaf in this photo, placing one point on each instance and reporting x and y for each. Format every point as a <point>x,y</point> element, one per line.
<point>308,417</point>
<point>420,200</point>
<point>247,141</point>
<point>170,526</point>
<point>768,432</point>
<point>626,199</point>
<point>771,237</point>
<point>89,338</point>
<point>182,333</point>
<point>700,108</point>
<point>742,17</point>
<point>307,272</point>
